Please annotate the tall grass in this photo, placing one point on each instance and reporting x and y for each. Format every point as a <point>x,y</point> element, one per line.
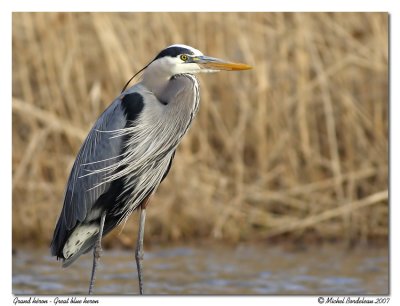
<point>296,148</point>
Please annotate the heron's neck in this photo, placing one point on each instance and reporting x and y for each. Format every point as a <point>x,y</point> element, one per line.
<point>181,98</point>
<point>155,80</point>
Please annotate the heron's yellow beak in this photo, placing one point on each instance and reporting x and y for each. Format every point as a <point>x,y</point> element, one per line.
<point>216,64</point>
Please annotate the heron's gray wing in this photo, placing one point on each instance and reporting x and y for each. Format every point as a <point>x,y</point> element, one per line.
<point>99,151</point>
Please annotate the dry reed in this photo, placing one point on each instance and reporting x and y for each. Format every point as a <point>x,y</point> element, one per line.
<point>296,148</point>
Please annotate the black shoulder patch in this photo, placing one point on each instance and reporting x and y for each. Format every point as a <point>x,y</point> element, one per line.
<point>132,105</point>
<point>173,52</point>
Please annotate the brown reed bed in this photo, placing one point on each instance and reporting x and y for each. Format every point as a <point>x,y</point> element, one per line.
<point>296,148</point>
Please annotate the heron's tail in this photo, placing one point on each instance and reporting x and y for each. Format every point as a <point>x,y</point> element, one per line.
<point>80,241</point>
<point>86,247</point>
<point>68,245</point>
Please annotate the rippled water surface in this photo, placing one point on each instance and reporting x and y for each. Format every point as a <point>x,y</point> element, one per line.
<point>246,269</point>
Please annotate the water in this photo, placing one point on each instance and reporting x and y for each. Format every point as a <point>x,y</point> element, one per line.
<point>246,269</point>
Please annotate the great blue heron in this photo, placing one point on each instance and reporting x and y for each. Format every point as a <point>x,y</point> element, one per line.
<point>129,152</point>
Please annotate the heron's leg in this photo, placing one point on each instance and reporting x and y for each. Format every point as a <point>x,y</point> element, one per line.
<point>97,252</point>
<point>139,247</point>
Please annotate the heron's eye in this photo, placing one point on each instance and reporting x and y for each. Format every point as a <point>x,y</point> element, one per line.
<point>184,57</point>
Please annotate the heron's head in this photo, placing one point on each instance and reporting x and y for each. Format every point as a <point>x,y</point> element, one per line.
<point>178,59</point>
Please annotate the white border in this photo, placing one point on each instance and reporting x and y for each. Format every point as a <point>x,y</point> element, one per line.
<point>6,7</point>
<point>203,5</point>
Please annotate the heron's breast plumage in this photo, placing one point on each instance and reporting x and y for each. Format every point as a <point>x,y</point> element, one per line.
<point>154,135</point>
